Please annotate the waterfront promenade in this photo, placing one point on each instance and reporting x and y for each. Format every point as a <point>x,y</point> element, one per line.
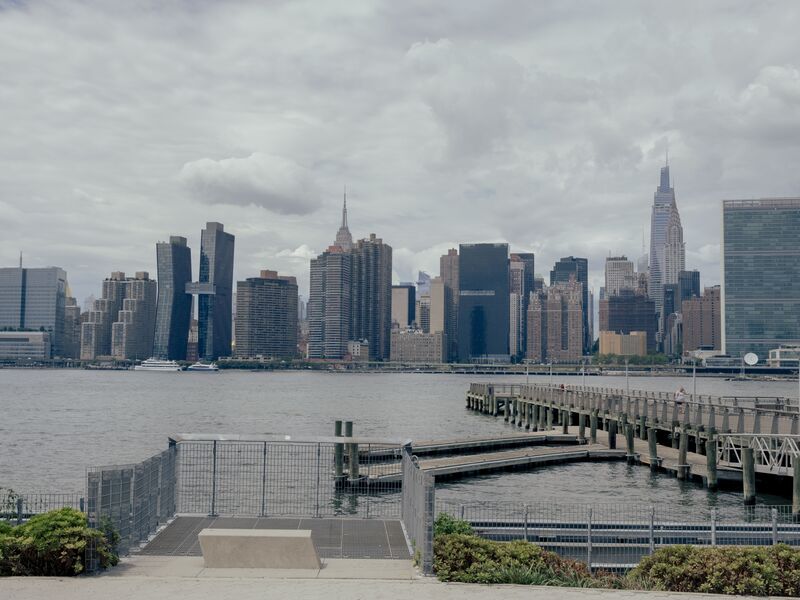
<point>177,587</point>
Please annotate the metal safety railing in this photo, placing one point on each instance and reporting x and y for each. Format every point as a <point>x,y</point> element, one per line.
<point>417,514</point>
<point>617,536</point>
<point>17,508</point>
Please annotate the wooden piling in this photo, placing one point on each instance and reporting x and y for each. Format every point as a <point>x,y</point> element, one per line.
<point>643,426</point>
<point>593,427</point>
<point>683,468</point>
<point>565,419</point>
<point>581,427</point>
<point>748,476</point>
<point>652,446</point>
<point>711,463</point>
<point>549,418</point>
<point>630,453</point>
<point>612,435</point>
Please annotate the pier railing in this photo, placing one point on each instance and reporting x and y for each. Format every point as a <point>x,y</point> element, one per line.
<point>722,414</point>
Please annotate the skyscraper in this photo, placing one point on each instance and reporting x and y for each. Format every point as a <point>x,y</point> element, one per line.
<point>329,300</point>
<point>372,295</point>
<point>344,239</point>
<point>34,299</point>
<point>266,310</point>
<point>96,329</point>
<point>448,271</point>
<point>555,323</point>
<point>483,311</point>
<point>517,304</point>
<point>132,332</point>
<point>174,306</point>
<point>562,272</point>
<point>761,275</point>
<point>619,275</point>
<point>628,312</point>
<point>667,250</point>
<point>215,291</point>
<point>701,321</point>
<point>404,302</point>
<point>689,285</point>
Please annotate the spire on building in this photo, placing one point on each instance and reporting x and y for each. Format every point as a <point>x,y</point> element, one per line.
<point>343,237</point>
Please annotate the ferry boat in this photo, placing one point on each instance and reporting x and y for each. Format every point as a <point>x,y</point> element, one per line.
<point>203,367</point>
<point>154,364</point>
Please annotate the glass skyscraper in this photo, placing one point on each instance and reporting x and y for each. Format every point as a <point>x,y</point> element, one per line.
<point>174,308</point>
<point>667,250</point>
<point>215,292</point>
<point>761,275</point>
<point>484,306</point>
<point>34,300</point>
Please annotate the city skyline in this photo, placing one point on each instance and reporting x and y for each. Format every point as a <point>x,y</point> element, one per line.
<point>265,146</point>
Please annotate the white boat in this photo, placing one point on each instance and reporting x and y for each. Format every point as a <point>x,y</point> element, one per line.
<point>206,367</point>
<point>154,364</point>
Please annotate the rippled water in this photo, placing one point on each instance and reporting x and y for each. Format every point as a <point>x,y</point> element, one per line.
<point>56,423</point>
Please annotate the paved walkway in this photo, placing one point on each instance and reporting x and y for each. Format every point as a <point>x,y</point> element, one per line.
<point>179,588</point>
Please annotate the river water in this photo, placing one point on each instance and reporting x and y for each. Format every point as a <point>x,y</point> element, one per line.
<point>56,423</point>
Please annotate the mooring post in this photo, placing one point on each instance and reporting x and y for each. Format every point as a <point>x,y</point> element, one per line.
<point>629,447</point>
<point>643,425</point>
<point>338,452</point>
<point>549,418</point>
<point>796,487</point>
<point>683,468</point>
<point>593,427</point>
<point>652,446</point>
<point>506,410</point>
<point>565,418</point>
<point>581,427</point>
<point>535,417</point>
<point>675,435</point>
<point>748,476</point>
<point>711,462</point>
<point>612,435</point>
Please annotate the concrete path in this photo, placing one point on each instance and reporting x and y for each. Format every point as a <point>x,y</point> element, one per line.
<point>182,588</point>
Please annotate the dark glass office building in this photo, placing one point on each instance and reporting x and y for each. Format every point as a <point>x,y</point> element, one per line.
<point>484,308</point>
<point>215,292</point>
<point>579,267</point>
<point>761,275</point>
<point>689,285</point>
<point>174,306</point>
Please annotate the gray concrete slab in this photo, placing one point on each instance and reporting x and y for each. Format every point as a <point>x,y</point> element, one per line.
<point>253,588</point>
<point>334,538</point>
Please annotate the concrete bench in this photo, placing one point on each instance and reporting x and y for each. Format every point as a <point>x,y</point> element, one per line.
<point>258,549</point>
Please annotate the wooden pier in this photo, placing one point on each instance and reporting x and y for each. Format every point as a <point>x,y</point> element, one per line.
<point>710,439</point>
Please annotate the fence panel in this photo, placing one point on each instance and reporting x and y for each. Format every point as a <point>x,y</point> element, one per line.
<point>418,502</point>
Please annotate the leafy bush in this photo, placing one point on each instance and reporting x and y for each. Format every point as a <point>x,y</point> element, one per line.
<point>751,570</point>
<point>53,543</point>
<point>470,559</point>
<point>445,525</point>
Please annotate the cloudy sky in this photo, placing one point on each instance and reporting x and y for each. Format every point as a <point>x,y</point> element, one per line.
<point>542,124</point>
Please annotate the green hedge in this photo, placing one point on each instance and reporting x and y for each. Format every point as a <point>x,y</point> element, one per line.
<point>53,543</point>
<point>745,570</point>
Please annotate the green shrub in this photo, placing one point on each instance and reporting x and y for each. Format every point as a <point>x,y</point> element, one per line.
<point>470,559</point>
<point>445,525</point>
<point>53,543</point>
<point>750,570</point>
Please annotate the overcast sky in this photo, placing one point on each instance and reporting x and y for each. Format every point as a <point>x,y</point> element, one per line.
<point>542,124</point>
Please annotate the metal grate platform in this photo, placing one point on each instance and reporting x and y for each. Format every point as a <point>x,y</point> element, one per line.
<point>334,538</point>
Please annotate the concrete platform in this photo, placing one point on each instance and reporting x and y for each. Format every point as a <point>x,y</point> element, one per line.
<point>334,538</point>
<point>258,549</point>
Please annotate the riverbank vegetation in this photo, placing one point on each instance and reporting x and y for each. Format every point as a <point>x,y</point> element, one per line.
<point>56,543</point>
<point>462,556</point>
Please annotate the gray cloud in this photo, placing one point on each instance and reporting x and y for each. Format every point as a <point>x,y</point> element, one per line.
<point>542,124</point>
<point>272,182</point>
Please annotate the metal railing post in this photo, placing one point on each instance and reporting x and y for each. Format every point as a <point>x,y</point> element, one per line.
<point>19,511</point>
<point>652,529</point>
<point>264,482</point>
<point>774,526</point>
<point>213,512</point>
<point>316,508</point>
<point>589,540</point>
<point>713,526</point>
<point>82,505</point>
<point>526,522</point>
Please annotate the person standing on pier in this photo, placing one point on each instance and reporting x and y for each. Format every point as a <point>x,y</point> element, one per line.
<point>680,396</point>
